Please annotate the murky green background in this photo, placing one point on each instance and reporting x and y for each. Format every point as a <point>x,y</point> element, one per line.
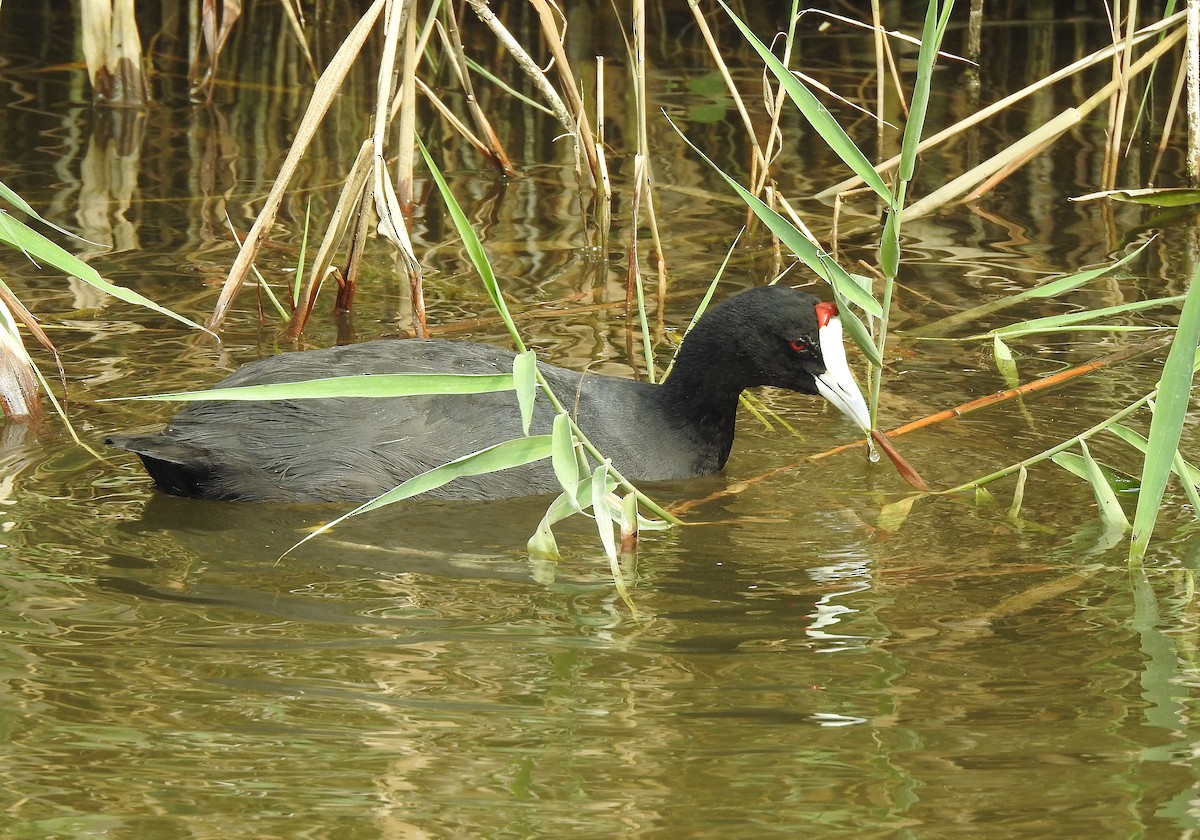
<point>797,670</point>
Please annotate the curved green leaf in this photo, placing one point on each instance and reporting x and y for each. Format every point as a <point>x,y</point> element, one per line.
<point>365,385</point>
<point>473,247</point>
<point>502,456</point>
<point>39,248</point>
<point>1174,394</point>
<point>566,465</point>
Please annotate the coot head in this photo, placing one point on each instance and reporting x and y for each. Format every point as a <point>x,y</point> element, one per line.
<point>773,335</point>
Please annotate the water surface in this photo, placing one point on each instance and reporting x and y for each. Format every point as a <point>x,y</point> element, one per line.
<point>793,667</point>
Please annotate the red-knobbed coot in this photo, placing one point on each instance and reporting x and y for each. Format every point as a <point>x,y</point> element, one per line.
<point>353,449</point>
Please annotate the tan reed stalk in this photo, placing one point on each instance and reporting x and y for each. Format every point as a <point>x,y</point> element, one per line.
<point>493,149</point>
<point>880,42</point>
<point>984,113</point>
<point>1177,96</point>
<point>1193,90</point>
<point>344,214</point>
<point>454,122</point>
<point>323,93</point>
<point>406,126</point>
<point>1122,60</point>
<point>570,88</point>
<point>1037,139</point>
<point>775,103</point>
<point>647,174</point>
<point>391,206</point>
<point>535,74</point>
<point>113,52</point>
<point>604,211</point>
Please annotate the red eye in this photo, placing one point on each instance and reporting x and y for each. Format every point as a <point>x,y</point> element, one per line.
<point>798,345</point>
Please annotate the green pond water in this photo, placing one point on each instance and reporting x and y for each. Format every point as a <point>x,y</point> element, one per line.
<point>796,666</point>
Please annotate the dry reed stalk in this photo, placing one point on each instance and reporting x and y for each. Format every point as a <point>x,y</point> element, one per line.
<point>390,205</point>
<point>984,113</point>
<point>555,38</point>
<point>1168,126</point>
<point>880,42</point>
<point>21,313</point>
<point>775,101</point>
<point>1019,152</point>
<point>1011,166</point>
<point>772,198</point>
<point>633,269</point>
<point>891,33</point>
<point>406,126</point>
<point>883,56</point>
<point>455,123</point>
<point>19,397</point>
<point>975,33</point>
<point>343,215</point>
<point>604,213</point>
<point>493,150</point>
<point>19,375</point>
<point>759,162</point>
<point>296,21</point>
<point>534,72</point>
<point>358,243</point>
<point>646,176</point>
<point>1193,90</point>
<point>112,50</point>
<point>215,34</point>
<point>323,93</point>
<point>431,23</point>
<point>1122,60</point>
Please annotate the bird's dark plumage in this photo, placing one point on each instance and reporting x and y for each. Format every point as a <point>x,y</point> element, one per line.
<point>352,449</point>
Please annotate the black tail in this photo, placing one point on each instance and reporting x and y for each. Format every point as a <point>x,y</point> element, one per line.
<point>177,468</point>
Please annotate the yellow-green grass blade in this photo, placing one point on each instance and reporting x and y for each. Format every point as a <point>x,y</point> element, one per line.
<point>1170,410</point>
<point>525,380</point>
<point>566,465</point>
<point>604,522</point>
<point>13,198</point>
<point>1078,320</point>
<point>1109,506</point>
<point>41,249</point>
<point>373,385</point>
<point>502,456</point>
<point>473,246</point>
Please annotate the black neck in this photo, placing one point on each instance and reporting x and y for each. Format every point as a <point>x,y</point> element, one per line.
<point>701,393</point>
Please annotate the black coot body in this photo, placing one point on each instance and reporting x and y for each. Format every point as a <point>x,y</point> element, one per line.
<point>353,449</point>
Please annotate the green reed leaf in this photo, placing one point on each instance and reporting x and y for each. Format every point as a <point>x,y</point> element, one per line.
<point>512,453</point>
<point>365,385</point>
<point>566,465</point>
<point>38,248</point>
<point>1174,395</point>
